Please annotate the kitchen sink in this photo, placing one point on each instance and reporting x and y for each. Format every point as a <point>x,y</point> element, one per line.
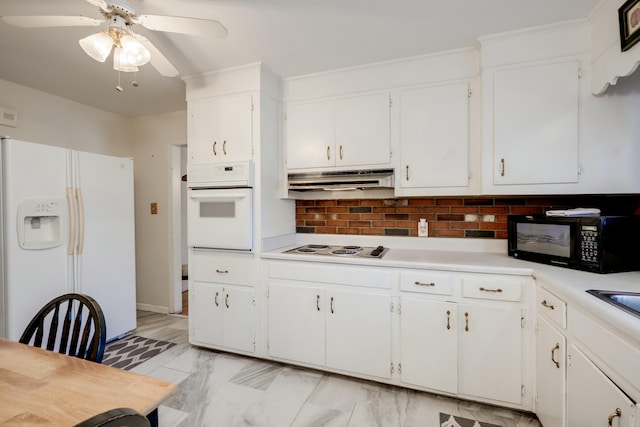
<point>627,301</point>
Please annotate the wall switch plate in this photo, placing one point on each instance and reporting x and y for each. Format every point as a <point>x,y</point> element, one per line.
<point>423,228</point>
<point>154,208</point>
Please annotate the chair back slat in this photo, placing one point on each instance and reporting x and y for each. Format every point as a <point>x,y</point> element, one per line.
<point>82,333</point>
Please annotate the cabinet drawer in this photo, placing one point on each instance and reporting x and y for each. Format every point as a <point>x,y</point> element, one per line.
<point>216,267</point>
<point>370,277</point>
<point>493,288</point>
<point>551,307</point>
<point>428,282</point>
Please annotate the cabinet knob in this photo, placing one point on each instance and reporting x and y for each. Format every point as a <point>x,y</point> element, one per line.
<point>617,413</point>
<point>546,304</point>
<point>553,355</point>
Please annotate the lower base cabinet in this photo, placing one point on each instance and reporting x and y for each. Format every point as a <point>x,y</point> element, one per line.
<point>551,371</point>
<point>465,349</point>
<point>222,316</point>
<point>592,398</point>
<point>344,330</point>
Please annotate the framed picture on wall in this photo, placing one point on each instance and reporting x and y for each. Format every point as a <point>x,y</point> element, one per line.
<point>629,18</point>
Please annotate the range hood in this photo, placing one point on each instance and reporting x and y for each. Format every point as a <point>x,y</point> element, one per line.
<point>341,180</point>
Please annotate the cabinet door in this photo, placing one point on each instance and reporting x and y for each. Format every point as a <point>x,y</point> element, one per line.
<point>238,318</point>
<point>205,313</point>
<point>297,323</point>
<point>358,335</point>
<point>220,129</point>
<point>593,399</point>
<point>428,344</point>
<point>550,374</point>
<point>434,136</point>
<point>490,352</point>
<point>310,133</point>
<point>535,124</point>
<point>362,130</point>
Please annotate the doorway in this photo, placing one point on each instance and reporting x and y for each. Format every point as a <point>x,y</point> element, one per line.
<point>178,189</point>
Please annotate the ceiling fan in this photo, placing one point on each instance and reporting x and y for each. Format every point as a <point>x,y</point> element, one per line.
<point>131,50</point>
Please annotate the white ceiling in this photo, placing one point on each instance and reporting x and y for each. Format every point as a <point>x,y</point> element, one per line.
<point>292,37</point>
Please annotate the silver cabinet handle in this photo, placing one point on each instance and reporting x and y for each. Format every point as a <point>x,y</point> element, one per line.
<point>553,355</point>
<point>214,148</point>
<point>328,153</point>
<point>318,302</point>
<point>423,284</point>
<point>215,299</point>
<point>617,413</point>
<point>448,319</point>
<point>340,152</point>
<point>491,290</point>
<point>226,300</point>
<point>224,147</point>
<point>546,304</point>
<point>222,271</point>
<point>501,167</point>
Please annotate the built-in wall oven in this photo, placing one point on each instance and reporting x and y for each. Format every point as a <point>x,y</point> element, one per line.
<point>220,206</point>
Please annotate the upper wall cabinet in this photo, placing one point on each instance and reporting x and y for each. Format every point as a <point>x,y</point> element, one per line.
<point>348,132</point>
<point>532,123</point>
<point>220,129</point>
<point>434,137</point>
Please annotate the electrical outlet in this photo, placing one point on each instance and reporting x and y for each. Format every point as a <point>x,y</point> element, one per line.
<point>423,228</point>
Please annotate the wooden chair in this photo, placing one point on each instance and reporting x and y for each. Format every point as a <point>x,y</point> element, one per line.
<point>74,324</point>
<point>119,417</point>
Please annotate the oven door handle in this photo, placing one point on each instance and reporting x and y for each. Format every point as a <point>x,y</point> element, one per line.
<point>224,197</point>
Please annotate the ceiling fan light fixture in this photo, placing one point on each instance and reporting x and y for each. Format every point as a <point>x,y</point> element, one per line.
<point>135,53</point>
<point>120,62</point>
<point>98,45</point>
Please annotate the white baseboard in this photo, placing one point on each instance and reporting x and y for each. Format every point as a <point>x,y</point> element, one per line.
<point>152,308</point>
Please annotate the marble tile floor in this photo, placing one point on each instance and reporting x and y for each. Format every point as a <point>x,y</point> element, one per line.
<point>227,390</point>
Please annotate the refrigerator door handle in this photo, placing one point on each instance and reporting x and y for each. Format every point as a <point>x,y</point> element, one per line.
<point>72,221</point>
<point>80,221</point>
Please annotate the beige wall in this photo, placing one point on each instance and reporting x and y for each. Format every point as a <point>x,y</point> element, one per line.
<point>154,136</point>
<point>49,119</point>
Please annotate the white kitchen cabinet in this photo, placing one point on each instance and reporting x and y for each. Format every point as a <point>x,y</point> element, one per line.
<point>358,332</point>
<point>434,136</point>
<point>344,330</point>
<point>222,300</point>
<point>297,323</point>
<point>550,374</point>
<point>469,343</point>
<point>345,132</point>
<point>592,398</point>
<point>220,129</point>
<point>338,317</point>
<point>531,123</point>
<point>222,315</point>
<point>429,344</point>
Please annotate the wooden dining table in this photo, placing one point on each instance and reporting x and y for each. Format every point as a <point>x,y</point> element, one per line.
<point>40,387</point>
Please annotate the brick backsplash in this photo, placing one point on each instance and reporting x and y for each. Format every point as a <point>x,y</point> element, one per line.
<point>474,217</point>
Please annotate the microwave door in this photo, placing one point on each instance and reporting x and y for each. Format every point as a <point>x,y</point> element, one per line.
<point>220,218</point>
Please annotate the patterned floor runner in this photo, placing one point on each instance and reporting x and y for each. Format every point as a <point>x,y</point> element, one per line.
<point>447,420</point>
<point>129,352</point>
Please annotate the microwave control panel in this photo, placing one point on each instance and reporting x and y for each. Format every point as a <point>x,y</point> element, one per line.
<point>589,244</point>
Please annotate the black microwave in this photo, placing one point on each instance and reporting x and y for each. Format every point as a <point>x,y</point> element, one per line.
<point>600,244</point>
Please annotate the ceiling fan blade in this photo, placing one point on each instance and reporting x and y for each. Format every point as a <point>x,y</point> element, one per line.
<point>99,3</point>
<point>158,60</point>
<point>52,21</point>
<point>177,24</point>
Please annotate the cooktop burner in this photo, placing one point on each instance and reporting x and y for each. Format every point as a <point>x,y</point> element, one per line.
<point>344,251</point>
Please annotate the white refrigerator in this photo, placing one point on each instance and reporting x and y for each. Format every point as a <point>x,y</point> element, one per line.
<point>67,226</point>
